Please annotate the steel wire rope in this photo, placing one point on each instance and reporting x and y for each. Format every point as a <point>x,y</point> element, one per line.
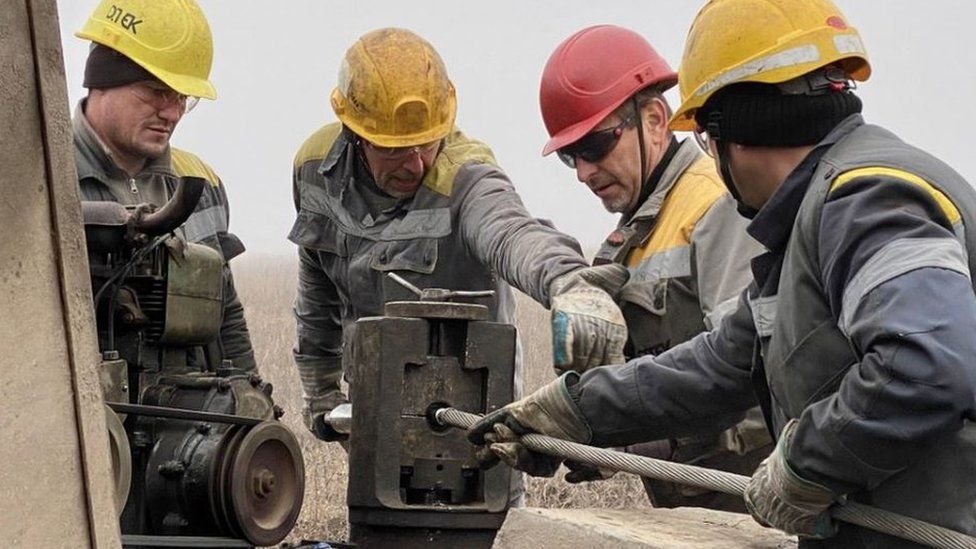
<point>729,483</point>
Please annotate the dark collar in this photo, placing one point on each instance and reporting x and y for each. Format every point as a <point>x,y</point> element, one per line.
<point>652,180</point>
<point>774,222</point>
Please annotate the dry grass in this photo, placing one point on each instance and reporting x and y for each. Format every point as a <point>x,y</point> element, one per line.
<point>267,288</point>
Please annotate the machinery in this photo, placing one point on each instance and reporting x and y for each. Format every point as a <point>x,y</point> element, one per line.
<point>413,482</point>
<point>196,446</point>
<point>196,456</point>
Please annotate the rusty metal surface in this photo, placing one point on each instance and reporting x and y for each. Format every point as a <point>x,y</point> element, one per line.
<point>54,428</point>
<point>408,480</point>
<point>267,483</point>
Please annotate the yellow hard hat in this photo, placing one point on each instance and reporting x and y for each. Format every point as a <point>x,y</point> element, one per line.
<point>169,38</point>
<point>393,90</point>
<point>766,41</point>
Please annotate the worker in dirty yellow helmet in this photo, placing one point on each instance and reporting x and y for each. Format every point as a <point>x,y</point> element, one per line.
<point>856,334</point>
<point>394,186</point>
<point>602,100</point>
<point>148,65</point>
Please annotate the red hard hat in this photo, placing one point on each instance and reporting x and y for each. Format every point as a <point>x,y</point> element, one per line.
<point>592,73</point>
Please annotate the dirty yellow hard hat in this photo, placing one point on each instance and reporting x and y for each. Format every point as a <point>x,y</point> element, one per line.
<point>169,38</point>
<point>393,90</point>
<point>766,41</point>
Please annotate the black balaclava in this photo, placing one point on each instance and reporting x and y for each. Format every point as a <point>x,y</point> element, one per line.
<point>763,115</point>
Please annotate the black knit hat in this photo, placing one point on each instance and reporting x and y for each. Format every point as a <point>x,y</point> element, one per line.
<point>762,115</point>
<point>107,68</point>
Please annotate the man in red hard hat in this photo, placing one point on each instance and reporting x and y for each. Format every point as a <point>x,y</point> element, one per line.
<point>679,233</point>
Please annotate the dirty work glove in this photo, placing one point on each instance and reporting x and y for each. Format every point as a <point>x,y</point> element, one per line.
<point>588,328</point>
<point>778,497</point>
<point>548,411</point>
<point>320,387</point>
<point>586,472</point>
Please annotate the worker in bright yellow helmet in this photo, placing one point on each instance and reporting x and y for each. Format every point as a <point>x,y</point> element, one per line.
<point>856,334</point>
<point>394,186</point>
<point>148,63</point>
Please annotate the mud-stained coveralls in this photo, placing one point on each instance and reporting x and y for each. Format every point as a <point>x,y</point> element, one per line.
<point>860,323</point>
<point>100,179</point>
<point>688,254</point>
<point>464,229</point>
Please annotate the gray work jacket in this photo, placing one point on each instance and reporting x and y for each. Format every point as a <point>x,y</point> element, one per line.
<point>688,253</point>
<point>860,324</point>
<point>100,179</point>
<point>464,229</point>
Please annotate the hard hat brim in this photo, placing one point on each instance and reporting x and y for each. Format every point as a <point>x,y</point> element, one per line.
<point>186,85</point>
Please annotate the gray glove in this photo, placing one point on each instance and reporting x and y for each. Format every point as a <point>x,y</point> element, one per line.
<point>320,388</point>
<point>588,328</point>
<point>548,411</point>
<point>778,497</point>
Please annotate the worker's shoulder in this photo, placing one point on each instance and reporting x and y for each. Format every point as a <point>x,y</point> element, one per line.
<point>187,164</point>
<point>874,179</point>
<point>461,149</point>
<point>317,145</point>
<point>699,185</point>
<point>462,161</point>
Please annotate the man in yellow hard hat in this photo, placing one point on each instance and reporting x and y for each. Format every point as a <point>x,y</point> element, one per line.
<point>856,335</point>
<point>602,100</point>
<point>148,65</point>
<point>394,186</point>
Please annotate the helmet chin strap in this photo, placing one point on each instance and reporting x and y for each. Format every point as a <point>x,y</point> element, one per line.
<point>713,126</point>
<point>640,141</point>
<point>745,210</point>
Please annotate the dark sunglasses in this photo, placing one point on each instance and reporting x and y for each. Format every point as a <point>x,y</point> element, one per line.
<point>593,146</point>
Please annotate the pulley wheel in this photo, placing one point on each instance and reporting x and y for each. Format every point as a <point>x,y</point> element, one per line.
<point>266,483</point>
<point>118,450</point>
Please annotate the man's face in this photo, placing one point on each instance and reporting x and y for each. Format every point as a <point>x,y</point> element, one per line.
<point>614,178</point>
<point>138,119</point>
<point>398,171</point>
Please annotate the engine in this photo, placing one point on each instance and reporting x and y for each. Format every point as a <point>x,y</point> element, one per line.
<point>197,448</point>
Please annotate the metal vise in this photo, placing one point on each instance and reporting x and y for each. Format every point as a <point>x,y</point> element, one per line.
<point>413,483</point>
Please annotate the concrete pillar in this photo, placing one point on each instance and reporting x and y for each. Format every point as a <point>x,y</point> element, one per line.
<point>54,463</point>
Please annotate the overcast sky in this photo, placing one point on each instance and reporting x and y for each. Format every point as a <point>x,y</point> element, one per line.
<point>275,64</point>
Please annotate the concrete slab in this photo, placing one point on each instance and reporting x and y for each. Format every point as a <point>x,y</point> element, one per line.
<point>532,528</point>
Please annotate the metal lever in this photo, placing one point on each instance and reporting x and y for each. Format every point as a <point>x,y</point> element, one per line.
<point>438,294</point>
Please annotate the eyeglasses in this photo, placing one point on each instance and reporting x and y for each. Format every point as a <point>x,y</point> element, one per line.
<point>160,96</point>
<point>704,141</point>
<point>594,146</point>
<point>399,154</point>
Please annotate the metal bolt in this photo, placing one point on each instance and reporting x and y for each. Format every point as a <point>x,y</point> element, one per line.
<point>263,483</point>
<point>171,469</point>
